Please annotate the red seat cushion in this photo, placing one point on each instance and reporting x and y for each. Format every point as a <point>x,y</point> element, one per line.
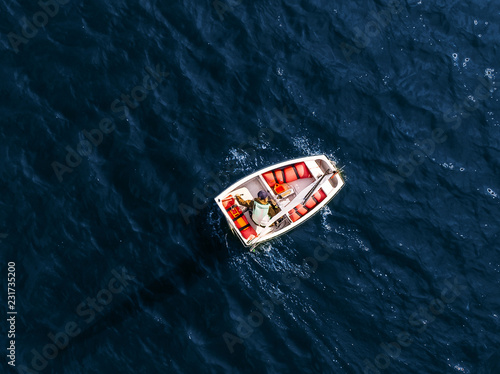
<point>274,176</point>
<point>289,174</point>
<point>301,210</point>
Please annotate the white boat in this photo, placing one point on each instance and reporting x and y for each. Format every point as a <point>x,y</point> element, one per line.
<point>300,188</point>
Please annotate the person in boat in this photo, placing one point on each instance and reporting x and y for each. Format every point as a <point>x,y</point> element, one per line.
<point>263,209</point>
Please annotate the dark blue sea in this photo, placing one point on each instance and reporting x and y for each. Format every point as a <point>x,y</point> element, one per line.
<point>121,121</point>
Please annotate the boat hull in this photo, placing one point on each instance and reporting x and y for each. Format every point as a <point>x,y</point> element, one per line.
<point>287,183</point>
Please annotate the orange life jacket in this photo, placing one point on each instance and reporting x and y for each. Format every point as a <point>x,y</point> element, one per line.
<point>236,215</point>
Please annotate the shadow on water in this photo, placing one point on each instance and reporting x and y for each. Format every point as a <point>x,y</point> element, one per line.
<point>204,258</point>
